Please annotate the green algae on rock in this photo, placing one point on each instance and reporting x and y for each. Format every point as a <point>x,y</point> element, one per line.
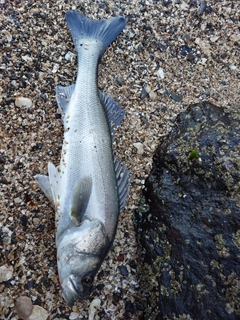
<point>189,229</point>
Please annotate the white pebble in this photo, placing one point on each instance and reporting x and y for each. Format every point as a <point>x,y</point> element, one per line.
<point>38,313</point>
<point>160,73</point>
<point>6,273</point>
<point>94,306</point>
<point>23,102</point>
<point>139,147</point>
<point>73,315</point>
<point>70,56</point>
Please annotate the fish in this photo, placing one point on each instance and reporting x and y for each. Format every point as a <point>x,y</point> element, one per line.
<point>90,188</point>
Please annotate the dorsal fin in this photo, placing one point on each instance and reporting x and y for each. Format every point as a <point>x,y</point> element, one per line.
<point>63,96</point>
<point>122,176</point>
<point>114,112</point>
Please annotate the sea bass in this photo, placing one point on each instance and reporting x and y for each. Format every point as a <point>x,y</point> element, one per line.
<point>90,188</point>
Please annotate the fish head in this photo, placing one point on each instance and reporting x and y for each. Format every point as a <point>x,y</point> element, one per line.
<point>80,254</point>
<point>78,278</point>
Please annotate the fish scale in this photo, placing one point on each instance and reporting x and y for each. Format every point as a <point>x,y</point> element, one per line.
<point>90,188</point>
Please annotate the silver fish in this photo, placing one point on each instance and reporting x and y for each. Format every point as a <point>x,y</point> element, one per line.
<point>90,188</point>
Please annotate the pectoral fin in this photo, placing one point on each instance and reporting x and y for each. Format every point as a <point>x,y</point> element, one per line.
<point>54,180</point>
<point>80,199</point>
<point>44,184</point>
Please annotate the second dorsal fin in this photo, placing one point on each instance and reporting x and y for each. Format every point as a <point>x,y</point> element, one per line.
<point>114,112</point>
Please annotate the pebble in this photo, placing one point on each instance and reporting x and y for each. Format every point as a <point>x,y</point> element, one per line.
<point>17,200</point>
<point>2,161</point>
<point>123,270</point>
<point>38,313</point>
<point>186,38</point>
<point>73,315</point>
<point>119,80</point>
<point>139,147</point>
<point>152,95</point>
<point>70,56</point>
<point>184,50</point>
<point>6,273</point>
<point>160,73</point>
<point>202,7</point>
<point>144,93</point>
<point>23,102</point>
<point>94,306</point>
<point>23,307</point>
<point>176,97</point>
<point>190,56</point>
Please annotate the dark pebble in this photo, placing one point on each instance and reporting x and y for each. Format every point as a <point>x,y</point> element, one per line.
<point>166,92</point>
<point>139,307</point>
<point>3,181</point>
<point>30,284</point>
<point>129,307</point>
<point>37,147</point>
<point>2,160</point>
<point>120,257</point>
<point>101,274</point>
<point>184,50</point>
<point>58,116</point>
<point>144,120</point>
<point>190,56</point>
<point>176,97</point>
<point>100,286</point>
<point>143,93</point>
<point>116,297</point>
<point>202,7</point>
<point>119,80</point>
<point>186,37</point>
<point>133,264</point>
<point>24,220</point>
<point>223,83</point>
<point>164,109</point>
<point>123,270</point>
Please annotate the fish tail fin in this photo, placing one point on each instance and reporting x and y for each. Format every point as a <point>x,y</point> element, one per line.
<point>104,31</point>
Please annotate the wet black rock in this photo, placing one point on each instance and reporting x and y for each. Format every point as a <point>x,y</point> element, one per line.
<point>189,223</point>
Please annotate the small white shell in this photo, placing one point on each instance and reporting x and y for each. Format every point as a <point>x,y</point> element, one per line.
<point>160,73</point>
<point>23,102</point>
<point>94,306</point>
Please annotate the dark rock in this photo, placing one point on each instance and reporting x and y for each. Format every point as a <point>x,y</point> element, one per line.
<point>190,56</point>
<point>176,97</point>
<point>123,270</point>
<point>129,307</point>
<point>2,160</point>
<point>188,226</point>
<point>184,50</point>
<point>144,93</point>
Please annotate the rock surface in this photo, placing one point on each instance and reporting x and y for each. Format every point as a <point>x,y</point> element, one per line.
<point>189,224</point>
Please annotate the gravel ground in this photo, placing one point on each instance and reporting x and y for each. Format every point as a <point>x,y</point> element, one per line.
<point>171,54</point>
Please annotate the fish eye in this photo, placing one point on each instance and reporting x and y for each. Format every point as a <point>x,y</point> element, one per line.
<point>87,280</point>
